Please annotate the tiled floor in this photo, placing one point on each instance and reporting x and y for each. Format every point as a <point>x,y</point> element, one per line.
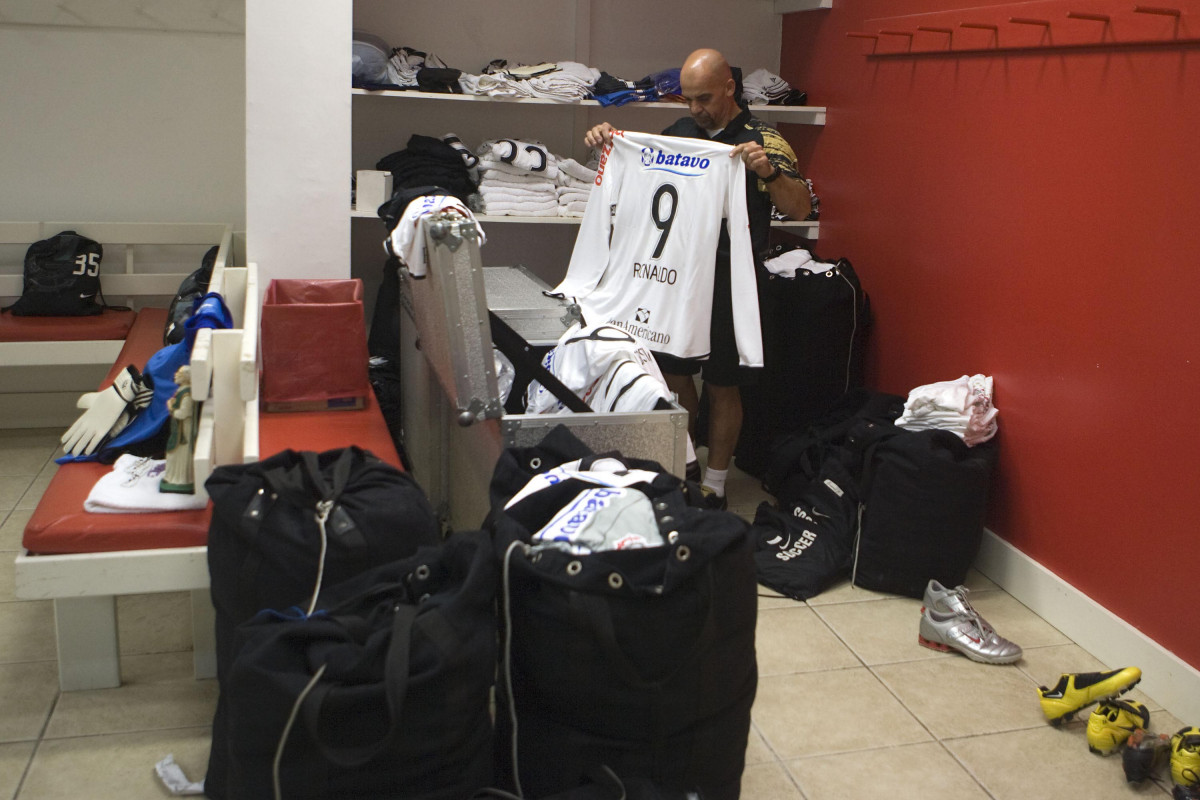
<point>848,706</point>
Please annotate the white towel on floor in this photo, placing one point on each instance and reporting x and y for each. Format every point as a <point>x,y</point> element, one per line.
<point>132,488</point>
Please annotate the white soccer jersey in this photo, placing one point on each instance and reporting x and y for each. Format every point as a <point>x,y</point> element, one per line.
<point>608,368</point>
<point>646,252</point>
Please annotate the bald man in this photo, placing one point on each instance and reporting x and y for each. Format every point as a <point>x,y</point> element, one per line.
<point>707,84</point>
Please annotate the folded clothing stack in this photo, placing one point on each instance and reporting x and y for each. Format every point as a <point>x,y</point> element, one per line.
<point>768,88</point>
<point>963,406</point>
<point>563,82</point>
<point>573,186</point>
<point>517,178</point>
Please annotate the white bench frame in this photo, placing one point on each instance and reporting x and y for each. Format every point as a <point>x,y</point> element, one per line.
<point>124,285</point>
<point>84,586</point>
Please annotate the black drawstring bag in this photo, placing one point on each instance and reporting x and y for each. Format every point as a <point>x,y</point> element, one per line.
<point>382,693</point>
<point>284,527</point>
<point>61,278</point>
<point>641,660</point>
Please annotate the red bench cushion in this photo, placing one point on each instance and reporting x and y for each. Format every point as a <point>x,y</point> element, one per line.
<point>101,327</point>
<point>60,525</point>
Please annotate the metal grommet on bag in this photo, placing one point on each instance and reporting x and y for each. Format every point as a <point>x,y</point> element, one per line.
<point>673,536</point>
<point>660,506</point>
<point>423,598</point>
<point>535,462</point>
<point>666,519</point>
<point>575,567</point>
<point>683,552</point>
<point>615,580</point>
<point>422,572</point>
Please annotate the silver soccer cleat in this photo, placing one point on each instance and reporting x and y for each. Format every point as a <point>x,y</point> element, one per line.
<point>948,622</point>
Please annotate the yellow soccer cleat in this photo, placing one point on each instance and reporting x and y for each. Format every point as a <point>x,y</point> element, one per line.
<point>1185,757</point>
<point>1111,723</point>
<point>1078,690</point>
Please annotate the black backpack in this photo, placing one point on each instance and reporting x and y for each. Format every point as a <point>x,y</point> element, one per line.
<point>191,289</point>
<point>62,278</point>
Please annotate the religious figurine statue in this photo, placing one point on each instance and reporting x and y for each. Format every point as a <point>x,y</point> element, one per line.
<point>180,475</point>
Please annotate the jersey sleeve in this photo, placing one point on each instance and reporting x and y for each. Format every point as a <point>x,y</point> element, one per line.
<point>743,284</point>
<point>591,253</point>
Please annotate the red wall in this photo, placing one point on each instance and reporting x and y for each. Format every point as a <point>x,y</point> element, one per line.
<point>1033,214</point>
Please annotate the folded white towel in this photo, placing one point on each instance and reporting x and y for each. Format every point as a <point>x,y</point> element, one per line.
<point>522,209</point>
<point>516,193</point>
<point>493,86</point>
<point>575,208</point>
<point>132,488</point>
<point>571,170</point>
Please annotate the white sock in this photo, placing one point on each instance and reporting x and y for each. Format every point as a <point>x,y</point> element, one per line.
<point>715,479</point>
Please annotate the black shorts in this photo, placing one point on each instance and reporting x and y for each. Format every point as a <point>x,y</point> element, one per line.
<point>722,367</point>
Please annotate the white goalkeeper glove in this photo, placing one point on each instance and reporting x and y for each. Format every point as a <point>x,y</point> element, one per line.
<point>105,410</point>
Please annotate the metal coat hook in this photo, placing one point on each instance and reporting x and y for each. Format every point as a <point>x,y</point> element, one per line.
<point>947,31</point>
<point>987,26</point>
<point>909,34</point>
<point>857,35</point>
<point>1166,12</point>
<point>1105,18</point>
<point>1045,23</point>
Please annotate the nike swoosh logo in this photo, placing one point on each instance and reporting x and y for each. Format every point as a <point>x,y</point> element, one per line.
<point>86,296</point>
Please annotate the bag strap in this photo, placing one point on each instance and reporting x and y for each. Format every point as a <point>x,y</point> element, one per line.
<point>290,482</point>
<point>518,350</point>
<point>396,668</point>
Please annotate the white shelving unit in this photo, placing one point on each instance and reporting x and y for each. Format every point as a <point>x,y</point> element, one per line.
<point>800,115</point>
<point>803,115</point>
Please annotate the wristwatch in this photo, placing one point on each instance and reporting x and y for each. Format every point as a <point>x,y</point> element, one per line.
<point>773,176</point>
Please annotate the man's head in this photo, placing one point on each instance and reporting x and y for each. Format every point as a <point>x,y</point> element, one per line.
<point>708,86</point>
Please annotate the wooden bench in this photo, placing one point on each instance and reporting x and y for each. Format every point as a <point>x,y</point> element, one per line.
<point>47,362</point>
<point>149,553</point>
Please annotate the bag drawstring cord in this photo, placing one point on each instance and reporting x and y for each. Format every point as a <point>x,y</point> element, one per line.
<point>287,729</point>
<point>324,507</point>
<point>512,701</point>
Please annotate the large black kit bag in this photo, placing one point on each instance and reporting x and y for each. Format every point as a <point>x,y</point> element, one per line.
<point>641,660</point>
<point>924,501</point>
<point>814,331</point>
<point>806,544</point>
<point>61,278</point>
<point>285,526</point>
<point>388,683</point>
<point>795,458</point>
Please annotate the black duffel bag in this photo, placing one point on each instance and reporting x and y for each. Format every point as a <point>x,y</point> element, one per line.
<point>382,694</point>
<point>638,659</point>
<point>924,496</point>
<point>284,526</point>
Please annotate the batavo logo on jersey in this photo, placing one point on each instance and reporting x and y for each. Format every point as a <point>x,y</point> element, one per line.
<point>676,163</point>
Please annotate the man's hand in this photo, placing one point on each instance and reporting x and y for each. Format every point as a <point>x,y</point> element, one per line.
<point>754,157</point>
<point>599,136</point>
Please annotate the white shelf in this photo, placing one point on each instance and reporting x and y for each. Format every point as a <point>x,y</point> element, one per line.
<point>801,115</point>
<point>806,229</point>
<point>787,6</point>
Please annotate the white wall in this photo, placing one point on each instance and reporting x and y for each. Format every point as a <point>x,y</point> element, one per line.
<point>298,138</point>
<point>121,125</point>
